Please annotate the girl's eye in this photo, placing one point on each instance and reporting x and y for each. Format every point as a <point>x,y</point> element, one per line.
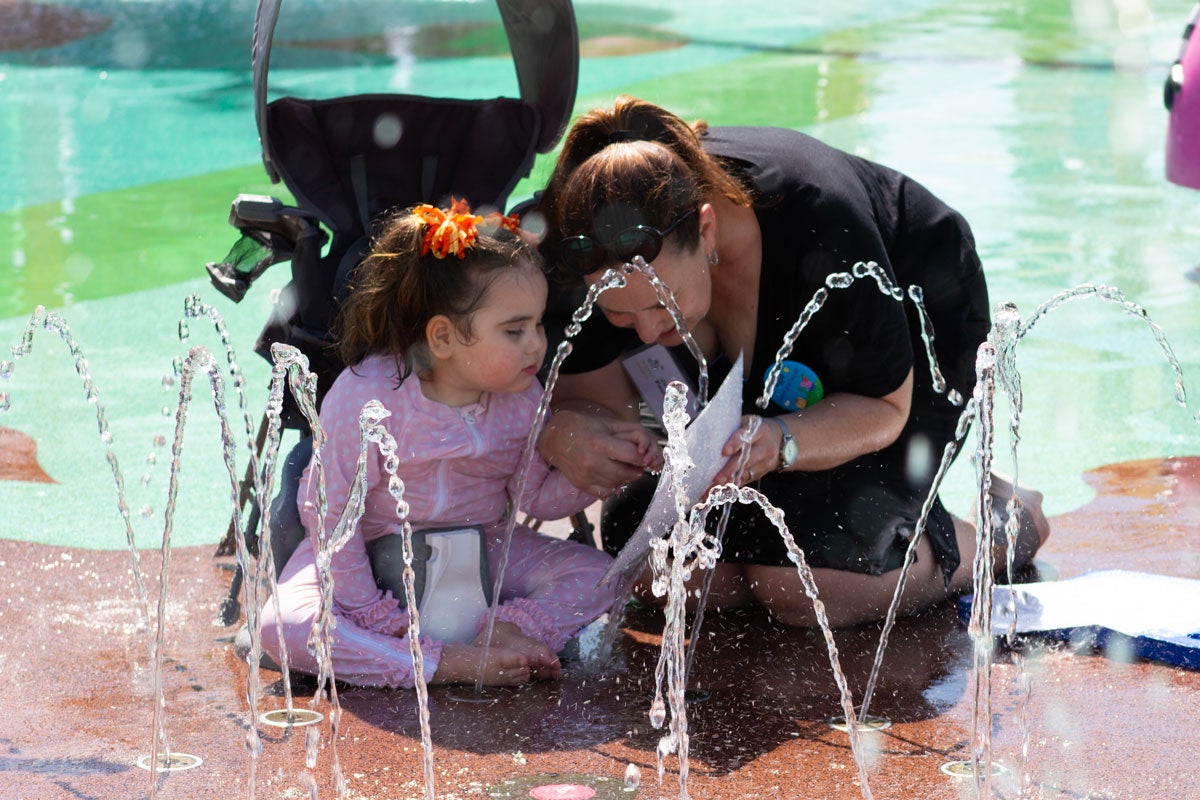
<point>514,333</point>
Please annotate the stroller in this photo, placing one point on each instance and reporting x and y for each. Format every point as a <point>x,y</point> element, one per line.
<point>349,160</point>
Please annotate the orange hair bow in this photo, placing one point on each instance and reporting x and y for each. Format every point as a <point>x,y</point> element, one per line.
<point>452,232</point>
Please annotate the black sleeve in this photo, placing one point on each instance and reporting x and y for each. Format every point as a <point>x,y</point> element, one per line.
<point>857,341</point>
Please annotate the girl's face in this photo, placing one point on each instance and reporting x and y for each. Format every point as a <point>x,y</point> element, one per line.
<point>507,342</point>
<point>685,274</point>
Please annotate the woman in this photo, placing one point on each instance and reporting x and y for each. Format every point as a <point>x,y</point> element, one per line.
<point>744,225</point>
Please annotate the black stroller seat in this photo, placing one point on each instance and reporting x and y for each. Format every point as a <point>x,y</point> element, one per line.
<point>349,160</point>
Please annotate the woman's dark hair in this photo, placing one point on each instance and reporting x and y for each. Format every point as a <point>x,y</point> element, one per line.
<point>633,164</point>
<point>395,291</point>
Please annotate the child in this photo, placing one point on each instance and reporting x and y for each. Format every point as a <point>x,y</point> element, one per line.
<point>444,326</point>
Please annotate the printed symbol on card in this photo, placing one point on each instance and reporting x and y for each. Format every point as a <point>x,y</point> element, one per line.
<point>797,386</point>
<point>652,368</point>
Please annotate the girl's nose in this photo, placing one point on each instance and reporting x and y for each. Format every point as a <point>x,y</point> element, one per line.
<point>537,342</point>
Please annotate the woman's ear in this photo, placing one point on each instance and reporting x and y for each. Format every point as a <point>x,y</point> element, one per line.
<point>439,336</point>
<point>707,219</point>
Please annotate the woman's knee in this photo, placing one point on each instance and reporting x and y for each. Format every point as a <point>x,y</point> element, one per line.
<point>781,592</point>
<point>845,598</point>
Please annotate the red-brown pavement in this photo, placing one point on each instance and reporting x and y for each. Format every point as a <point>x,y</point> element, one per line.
<point>78,708</point>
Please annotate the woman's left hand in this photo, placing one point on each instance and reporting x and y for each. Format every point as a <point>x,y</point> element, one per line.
<point>762,458</point>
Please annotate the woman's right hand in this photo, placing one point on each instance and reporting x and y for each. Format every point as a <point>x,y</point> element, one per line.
<point>460,664</point>
<point>598,452</point>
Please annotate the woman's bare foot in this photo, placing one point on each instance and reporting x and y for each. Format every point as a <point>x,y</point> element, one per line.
<point>543,664</point>
<point>1032,532</point>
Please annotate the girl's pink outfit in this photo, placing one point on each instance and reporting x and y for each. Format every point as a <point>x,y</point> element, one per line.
<point>459,467</point>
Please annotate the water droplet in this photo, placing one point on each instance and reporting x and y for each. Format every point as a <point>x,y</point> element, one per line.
<point>633,777</point>
<point>152,458</point>
<point>146,479</point>
<point>184,333</point>
<point>168,381</point>
<point>106,437</point>
<point>254,742</point>
<point>6,369</point>
<point>160,441</point>
<point>4,401</point>
<point>387,131</point>
<point>658,713</point>
<point>166,411</point>
<point>312,741</point>
<point>666,746</point>
<point>146,511</point>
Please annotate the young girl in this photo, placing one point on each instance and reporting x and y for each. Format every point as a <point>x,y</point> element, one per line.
<point>443,326</point>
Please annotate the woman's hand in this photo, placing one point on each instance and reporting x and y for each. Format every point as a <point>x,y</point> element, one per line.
<point>836,430</point>
<point>597,452</point>
<point>763,456</point>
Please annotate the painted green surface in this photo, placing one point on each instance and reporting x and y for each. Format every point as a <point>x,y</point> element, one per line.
<point>122,241</point>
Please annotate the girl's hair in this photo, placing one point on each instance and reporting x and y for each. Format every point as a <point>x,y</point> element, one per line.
<point>395,291</point>
<point>633,164</point>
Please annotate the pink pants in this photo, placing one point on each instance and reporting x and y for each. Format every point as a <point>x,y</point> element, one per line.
<point>550,591</point>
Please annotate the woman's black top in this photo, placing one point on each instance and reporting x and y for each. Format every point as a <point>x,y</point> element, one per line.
<point>821,211</point>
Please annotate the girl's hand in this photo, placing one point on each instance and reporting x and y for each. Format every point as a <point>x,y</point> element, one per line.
<point>647,446</point>
<point>762,458</point>
<point>597,453</point>
<point>460,664</point>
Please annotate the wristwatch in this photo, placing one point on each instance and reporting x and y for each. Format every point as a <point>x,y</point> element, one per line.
<point>789,451</point>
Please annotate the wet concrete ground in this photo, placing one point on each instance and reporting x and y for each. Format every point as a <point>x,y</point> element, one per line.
<point>78,694</point>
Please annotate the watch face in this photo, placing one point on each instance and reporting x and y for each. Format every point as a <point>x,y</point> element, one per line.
<point>790,452</point>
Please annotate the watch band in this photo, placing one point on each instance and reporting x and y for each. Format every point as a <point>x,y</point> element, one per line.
<point>788,450</point>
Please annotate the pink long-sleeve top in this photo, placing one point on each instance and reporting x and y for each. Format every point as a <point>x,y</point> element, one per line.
<point>459,467</point>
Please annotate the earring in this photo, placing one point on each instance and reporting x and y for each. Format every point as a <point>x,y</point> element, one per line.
<point>713,258</point>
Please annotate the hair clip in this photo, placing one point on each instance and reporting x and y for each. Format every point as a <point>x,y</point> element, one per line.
<point>447,232</point>
<point>452,232</point>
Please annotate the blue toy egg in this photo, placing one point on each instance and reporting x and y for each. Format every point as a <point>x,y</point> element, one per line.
<point>797,386</point>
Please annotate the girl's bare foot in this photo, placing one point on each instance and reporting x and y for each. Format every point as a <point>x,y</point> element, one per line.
<point>460,663</point>
<point>543,664</point>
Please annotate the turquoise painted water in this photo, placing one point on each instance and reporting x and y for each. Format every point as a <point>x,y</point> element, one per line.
<point>1041,120</point>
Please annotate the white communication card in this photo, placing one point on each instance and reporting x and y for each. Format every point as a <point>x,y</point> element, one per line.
<point>652,368</point>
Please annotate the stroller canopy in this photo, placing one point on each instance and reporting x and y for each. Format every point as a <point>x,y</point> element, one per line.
<point>542,36</point>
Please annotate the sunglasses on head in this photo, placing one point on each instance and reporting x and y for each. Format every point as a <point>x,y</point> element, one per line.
<point>583,255</point>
